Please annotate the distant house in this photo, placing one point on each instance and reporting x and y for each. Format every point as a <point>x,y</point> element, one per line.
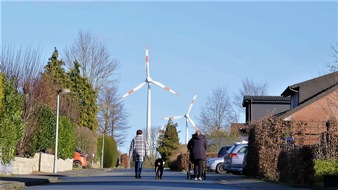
<point>259,107</point>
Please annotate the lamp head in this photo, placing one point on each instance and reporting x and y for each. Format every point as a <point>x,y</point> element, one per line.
<point>63,91</point>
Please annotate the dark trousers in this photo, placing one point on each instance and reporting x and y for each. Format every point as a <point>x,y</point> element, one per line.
<point>198,167</point>
<point>138,167</point>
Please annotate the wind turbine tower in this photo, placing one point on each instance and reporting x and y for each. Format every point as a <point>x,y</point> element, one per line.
<point>148,81</point>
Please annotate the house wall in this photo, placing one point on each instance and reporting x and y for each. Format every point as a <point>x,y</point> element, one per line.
<point>321,110</point>
<point>264,110</point>
<point>315,116</point>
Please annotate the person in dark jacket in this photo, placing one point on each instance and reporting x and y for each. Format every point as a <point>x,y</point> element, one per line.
<point>197,146</point>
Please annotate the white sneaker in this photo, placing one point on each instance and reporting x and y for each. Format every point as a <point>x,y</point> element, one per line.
<point>200,179</point>
<point>196,178</point>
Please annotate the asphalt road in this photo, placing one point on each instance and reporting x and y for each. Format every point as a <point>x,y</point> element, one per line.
<point>123,179</point>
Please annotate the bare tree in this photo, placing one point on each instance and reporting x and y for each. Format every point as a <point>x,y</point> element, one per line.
<point>332,67</point>
<point>25,65</point>
<point>111,116</point>
<point>154,137</point>
<point>217,113</point>
<point>95,60</point>
<point>251,88</point>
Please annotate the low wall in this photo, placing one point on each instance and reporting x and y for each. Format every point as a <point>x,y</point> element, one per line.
<point>40,162</point>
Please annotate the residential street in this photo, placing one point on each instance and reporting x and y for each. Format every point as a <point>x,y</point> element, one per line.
<point>123,179</point>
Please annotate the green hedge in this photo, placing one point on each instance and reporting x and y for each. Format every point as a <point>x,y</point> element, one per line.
<point>11,124</point>
<point>324,167</point>
<point>45,134</point>
<point>44,139</point>
<point>66,141</point>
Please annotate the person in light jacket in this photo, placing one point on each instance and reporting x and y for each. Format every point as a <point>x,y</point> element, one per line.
<point>138,151</point>
<point>197,146</point>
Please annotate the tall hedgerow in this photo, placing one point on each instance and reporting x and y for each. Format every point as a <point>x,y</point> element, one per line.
<point>66,142</point>
<point>11,124</point>
<point>45,134</point>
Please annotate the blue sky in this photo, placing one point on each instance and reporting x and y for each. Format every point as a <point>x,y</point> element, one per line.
<point>194,46</point>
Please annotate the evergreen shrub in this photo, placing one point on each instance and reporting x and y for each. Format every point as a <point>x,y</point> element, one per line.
<point>44,139</point>
<point>110,153</point>
<point>66,140</point>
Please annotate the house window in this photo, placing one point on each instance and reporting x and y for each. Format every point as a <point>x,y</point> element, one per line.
<point>294,100</point>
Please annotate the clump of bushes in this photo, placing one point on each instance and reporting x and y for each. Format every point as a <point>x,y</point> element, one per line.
<point>44,139</point>
<point>86,141</point>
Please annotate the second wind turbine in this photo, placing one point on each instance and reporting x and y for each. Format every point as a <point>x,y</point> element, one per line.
<point>187,119</point>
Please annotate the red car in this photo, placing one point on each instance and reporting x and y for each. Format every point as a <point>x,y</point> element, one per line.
<point>79,159</point>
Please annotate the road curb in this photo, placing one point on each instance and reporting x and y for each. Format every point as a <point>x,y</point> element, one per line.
<point>11,184</point>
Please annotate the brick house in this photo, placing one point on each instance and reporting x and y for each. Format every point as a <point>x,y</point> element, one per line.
<point>313,102</point>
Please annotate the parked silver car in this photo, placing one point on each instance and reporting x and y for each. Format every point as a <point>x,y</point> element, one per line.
<point>223,150</point>
<point>216,164</point>
<point>233,161</point>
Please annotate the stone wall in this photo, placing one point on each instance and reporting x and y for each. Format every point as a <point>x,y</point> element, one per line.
<point>40,162</point>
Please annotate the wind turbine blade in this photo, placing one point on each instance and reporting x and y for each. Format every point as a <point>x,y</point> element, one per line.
<point>134,89</point>
<point>147,62</point>
<point>192,103</point>
<point>164,87</point>
<point>192,122</point>
<point>173,117</point>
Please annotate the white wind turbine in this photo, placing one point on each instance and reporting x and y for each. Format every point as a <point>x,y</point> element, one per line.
<point>187,118</point>
<point>148,80</point>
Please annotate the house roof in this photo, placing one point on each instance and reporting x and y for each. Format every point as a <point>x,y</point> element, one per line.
<point>310,101</point>
<point>313,87</point>
<point>265,99</point>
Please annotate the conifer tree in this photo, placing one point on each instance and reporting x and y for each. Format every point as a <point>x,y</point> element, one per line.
<point>54,72</point>
<point>169,141</point>
<point>86,97</point>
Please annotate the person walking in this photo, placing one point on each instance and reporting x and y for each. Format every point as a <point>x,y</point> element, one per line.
<point>138,151</point>
<point>197,146</point>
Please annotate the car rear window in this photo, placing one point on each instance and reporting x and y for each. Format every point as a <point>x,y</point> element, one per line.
<point>223,150</point>
<point>231,148</point>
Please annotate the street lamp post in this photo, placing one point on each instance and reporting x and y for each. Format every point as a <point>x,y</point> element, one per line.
<point>60,92</point>
<point>102,152</point>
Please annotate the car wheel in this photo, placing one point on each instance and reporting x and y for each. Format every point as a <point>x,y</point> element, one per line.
<point>77,164</point>
<point>220,169</point>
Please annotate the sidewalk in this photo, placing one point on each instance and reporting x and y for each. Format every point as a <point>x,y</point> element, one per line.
<point>37,178</point>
